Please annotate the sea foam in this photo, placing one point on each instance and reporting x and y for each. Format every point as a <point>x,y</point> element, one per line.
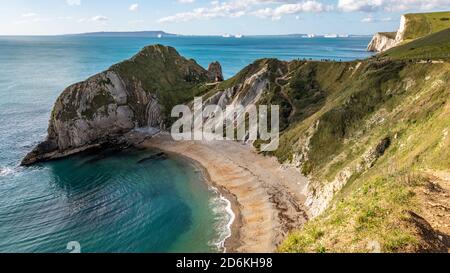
<point>5,171</point>
<point>225,217</point>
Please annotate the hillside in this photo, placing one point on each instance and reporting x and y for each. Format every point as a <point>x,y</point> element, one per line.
<point>373,147</point>
<point>412,26</point>
<point>373,138</point>
<point>434,46</point>
<point>418,25</point>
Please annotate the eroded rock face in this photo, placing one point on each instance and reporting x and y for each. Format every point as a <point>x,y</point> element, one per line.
<point>128,96</point>
<point>382,42</point>
<point>215,72</point>
<point>401,31</point>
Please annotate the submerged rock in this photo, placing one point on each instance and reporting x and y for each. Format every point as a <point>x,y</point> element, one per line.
<point>154,157</point>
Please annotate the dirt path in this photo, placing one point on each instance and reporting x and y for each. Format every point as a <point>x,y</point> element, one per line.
<point>285,96</point>
<point>435,198</point>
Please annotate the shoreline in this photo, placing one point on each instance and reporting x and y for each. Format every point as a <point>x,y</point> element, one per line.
<point>266,198</point>
<point>231,242</point>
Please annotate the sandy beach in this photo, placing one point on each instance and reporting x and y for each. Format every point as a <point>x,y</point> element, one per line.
<point>267,198</point>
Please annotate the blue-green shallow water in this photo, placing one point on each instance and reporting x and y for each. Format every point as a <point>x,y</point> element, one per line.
<point>114,204</point>
<point>110,203</point>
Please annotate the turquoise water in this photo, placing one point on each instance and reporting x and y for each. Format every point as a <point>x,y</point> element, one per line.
<point>109,202</point>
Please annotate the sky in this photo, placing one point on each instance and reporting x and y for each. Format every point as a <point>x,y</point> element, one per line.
<point>209,17</point>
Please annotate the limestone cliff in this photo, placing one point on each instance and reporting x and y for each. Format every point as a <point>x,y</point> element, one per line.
<point>382,41</point>
<point>400,35</point>
<point>412,27</point>
<point>136,93</point>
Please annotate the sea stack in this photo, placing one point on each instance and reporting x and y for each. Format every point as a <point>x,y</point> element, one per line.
<point>215,72</point>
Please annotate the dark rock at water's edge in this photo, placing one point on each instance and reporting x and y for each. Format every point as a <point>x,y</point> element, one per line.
<point>45,151</point>
<point>154,157</point>
<point>137,93</point>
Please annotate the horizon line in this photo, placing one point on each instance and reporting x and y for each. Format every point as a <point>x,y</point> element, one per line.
<point>176,34</point>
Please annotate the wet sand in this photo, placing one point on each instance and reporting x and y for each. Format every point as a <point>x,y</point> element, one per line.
<point>266,197</point>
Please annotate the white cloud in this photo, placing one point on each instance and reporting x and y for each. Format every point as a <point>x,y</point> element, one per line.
<point>29,14</point>
<point>238,8</point>
<point>185,1</point>
<point>287,9</point>
<point>371,19</point>
<point>360,5</point>
<point>134,7</point>
<point>99,18</point>
<point>391,5</point>
<point>216,10</point>
<point>31,17</point>
<point>73,2</point>
<point>64,18</point>
<point>136,22</point>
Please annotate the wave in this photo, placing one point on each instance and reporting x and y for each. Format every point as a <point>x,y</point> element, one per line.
<point>5,171</point>
<point>225,217</point>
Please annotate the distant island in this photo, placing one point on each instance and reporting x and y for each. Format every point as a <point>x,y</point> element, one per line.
<point>153,34</point>
<point>160,34</point>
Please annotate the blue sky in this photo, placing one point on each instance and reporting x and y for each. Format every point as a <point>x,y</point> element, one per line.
<point>205,17</point>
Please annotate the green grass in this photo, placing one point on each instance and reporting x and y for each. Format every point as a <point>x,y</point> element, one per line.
<point>409,102</point>
<point>434,46</point>
<point>422,24</point>
<point>161,71</point>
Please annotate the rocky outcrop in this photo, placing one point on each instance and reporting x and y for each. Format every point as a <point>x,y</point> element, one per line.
<point>246,90</point>
<point>382,41</point>
<point>215,72</point>
<point>320,195</point>
<point>134,94</point>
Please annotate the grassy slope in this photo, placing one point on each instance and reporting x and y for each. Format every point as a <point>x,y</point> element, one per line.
<point>434,46</point>
<point>356,106</point>
<point>342,111</point>
<point>422,24</point>
<point>160,70</point>
<point>407,103</point>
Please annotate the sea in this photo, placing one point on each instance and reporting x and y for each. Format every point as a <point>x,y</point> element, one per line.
<point>115,201</point>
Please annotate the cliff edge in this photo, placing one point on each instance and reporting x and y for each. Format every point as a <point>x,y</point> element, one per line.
<point>412,26</point>
<point>382,41</point>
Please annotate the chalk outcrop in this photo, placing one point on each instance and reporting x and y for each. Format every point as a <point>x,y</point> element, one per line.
<point>382,41</point>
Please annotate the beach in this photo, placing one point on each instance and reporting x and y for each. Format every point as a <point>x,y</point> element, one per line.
<point>267,198</point>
